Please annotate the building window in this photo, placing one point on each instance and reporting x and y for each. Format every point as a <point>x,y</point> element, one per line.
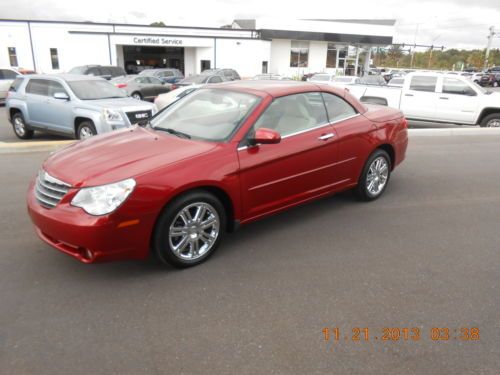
<point>331,56</point>
<point>299,54</point>
<point>205,65</point>
<point>343,56</point>
<point>12,56</point>
<point>264,67</point>
<point>54,58</point>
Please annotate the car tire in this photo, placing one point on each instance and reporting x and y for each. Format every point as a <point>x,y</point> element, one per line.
<point>19,126</point>
<point>86,129</point>
<point>136,95</point>
<point>180,239</point>
<point>491,121</point>
<point>374,177</point>
<point>495,84</point>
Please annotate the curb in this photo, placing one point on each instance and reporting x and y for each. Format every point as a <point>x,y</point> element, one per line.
<point>24,147</point>
<point>454,132</point>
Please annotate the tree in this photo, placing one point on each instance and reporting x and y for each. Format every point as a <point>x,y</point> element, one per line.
<point>158,24</point>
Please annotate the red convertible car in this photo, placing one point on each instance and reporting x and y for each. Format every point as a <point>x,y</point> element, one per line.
<point>223,156</point>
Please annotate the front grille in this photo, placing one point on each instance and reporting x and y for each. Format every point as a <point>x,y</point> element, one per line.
<point>49,190</point>
<point>138,116</point>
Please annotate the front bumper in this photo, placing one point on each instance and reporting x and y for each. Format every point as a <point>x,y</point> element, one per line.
<point>90,239</point>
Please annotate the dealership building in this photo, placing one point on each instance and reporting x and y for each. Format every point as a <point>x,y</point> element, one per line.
<point>250,46</point>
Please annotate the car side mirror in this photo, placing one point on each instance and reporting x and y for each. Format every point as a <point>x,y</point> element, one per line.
<point>265,136</point>
<point>61,96</point>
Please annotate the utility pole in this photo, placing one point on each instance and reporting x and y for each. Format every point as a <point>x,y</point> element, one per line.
<point>490,40</point>
<point>414,45</point>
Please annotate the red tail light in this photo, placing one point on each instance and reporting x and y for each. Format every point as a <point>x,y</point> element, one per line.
<point>121,85</point>
<point>174,86</point>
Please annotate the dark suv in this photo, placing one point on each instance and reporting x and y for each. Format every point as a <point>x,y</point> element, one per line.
<point>228,74</point>
<point>490,79</point>
<point>106,72</point>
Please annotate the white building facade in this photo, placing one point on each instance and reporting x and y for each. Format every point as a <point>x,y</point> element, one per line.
<point>249,46</point>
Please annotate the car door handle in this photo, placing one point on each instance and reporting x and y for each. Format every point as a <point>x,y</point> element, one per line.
<point>408,94</point>
<point>325,137</point>
<point>443,97</point>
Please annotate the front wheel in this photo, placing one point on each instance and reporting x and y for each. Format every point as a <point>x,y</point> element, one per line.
<point>85,130</point>
<point>491,121</point>
<point>20,128</point>
<point>136,95</point>
<point>375,176</point>
<point>190,229</point>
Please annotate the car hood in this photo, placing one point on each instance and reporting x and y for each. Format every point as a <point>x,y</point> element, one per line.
<point>119,155</point>
<point>125,104</point>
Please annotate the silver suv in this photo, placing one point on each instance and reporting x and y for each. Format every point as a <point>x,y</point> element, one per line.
<point>71,105</point>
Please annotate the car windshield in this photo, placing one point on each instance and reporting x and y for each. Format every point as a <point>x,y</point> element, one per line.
<point>342,79</point>
<point>95,89</point>
<point>206,114</point>
<point>320,77</point>
<point>78,70</point>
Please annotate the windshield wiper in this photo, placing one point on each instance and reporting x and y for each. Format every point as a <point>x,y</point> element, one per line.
<point>174,132</point>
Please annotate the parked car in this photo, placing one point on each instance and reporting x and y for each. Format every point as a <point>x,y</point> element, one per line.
<point>164,100</point>
<point>321,77</point>
<point>273,77</point>
<point>373,80</point>
<point>142,87</point>
<point>200,79</point>
<point>224,156</point>
<point>228,74</point>
<point>106,72</point>
<point>72,105</point>
<point>168,75</point>
<point>490,79</point>
<point>7,76</point>
<point>437,97</point>
<point>476,77</point>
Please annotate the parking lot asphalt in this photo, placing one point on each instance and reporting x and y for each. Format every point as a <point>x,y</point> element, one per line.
<point>424,255</point>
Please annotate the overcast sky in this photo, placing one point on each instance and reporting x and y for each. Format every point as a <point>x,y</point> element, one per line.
<point>452,23</point>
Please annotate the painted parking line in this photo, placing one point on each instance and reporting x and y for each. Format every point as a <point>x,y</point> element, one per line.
<point>20,147</point>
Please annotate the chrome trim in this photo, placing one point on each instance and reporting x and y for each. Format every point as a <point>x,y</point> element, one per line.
<point>325,137</point>
<point>53,180</point>
<point>49,190</point>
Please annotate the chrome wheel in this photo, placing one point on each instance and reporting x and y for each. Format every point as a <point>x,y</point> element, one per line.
<point>136,96</point>
<point>194,231</point>
<point>19,126</point>
<point>377,176</point>
<point>493,123</point>
<point>86,132</point>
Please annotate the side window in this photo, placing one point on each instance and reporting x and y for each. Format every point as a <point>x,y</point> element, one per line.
<point>337,108</point>
<point>294,113</point>
<point>423,83</point>
<point>456,86</point>
<point>215,79</point>
<point>16,84</point>
<point>167,73</point>
<point>38,87</point>
<point>142,80</point>
<point>8,74</point>
<point>54,87</point>
<point>154,80</point>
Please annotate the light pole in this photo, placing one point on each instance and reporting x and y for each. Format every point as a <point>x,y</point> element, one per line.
<point>414,45</point>
<point>430,53</point>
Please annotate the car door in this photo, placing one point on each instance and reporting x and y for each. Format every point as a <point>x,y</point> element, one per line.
<point>59,115</point>
<point>419,100</point>
<point>351,132</point>
<point>157,86</point>
<point>7,76</point>
<point>458,101</point>
<point>300,167</point>
<point>36,102</point>
<point>145,87</point>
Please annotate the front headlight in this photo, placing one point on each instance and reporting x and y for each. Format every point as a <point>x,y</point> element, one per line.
<point>111,115</point>
<point>104,199</point>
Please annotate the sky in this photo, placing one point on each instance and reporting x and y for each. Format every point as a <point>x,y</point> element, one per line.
<point>451,23</point>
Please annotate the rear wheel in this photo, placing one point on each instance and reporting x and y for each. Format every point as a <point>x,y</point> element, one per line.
<point>20,128</point>
<point>190,229</point>
<point>375,176</point>
<point>136,95</point>
<point>85,130</point>
<point>491,121</point>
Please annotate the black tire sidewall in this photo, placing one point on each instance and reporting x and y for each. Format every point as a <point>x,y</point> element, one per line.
<point>88,124</point>
<point>28,133</point>
<point>160,242</point>
<point>138,94</point>
<point>488,118</point>
<point>361,189</point>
